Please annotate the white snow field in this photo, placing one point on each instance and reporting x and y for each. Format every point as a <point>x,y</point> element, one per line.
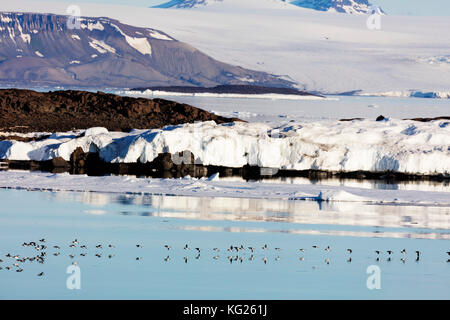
<point>216,188</point>
<point>321,51</point>
<point>390,145</point>
<point>272,96</point>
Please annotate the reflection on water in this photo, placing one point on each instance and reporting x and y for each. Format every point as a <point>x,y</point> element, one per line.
<point>303,217</point>
<point>151,271</point>
<point>437,186</point>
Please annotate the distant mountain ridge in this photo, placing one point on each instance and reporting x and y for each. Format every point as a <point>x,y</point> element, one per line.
<point>42,50</point>
<point>343,6</point>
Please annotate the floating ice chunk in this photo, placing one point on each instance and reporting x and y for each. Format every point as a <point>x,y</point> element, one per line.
<point>339,195</point>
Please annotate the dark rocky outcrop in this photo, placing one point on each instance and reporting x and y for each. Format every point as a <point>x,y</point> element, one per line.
<point>231,89</point>
<point>60,111</point>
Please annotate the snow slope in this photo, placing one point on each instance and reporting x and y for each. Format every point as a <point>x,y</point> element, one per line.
<point>321,51</point>
<point>390,145</point>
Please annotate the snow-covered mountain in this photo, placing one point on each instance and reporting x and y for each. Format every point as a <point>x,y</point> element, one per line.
<point>343,6</point>
<point>43,49</point>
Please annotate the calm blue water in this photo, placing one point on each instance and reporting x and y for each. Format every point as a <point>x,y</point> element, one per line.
<point>153,222</point>
<point>335,108</point>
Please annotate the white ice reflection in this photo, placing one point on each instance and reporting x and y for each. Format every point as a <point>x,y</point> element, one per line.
<point>302,217</point>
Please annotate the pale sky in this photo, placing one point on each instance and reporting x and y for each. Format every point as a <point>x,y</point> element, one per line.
<point>393,7</point>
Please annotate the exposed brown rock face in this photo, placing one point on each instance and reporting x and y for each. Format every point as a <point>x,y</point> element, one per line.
<point>30,111</point>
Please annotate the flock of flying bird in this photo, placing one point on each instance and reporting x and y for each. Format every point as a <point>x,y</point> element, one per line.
<point>233,254</point>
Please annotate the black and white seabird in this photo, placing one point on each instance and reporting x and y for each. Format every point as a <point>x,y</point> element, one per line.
<point>251,249</point>
<point>167,247</point>
<point>389,252</point>
<point>327,248</point>
<point>377,251</point>
<point>138,246</point>
<point>315,247</point>
<point>349,250</point>
<point>166,259</point>
<point>186,247</point>
<point>403,251</point>
<point>265,247</point>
